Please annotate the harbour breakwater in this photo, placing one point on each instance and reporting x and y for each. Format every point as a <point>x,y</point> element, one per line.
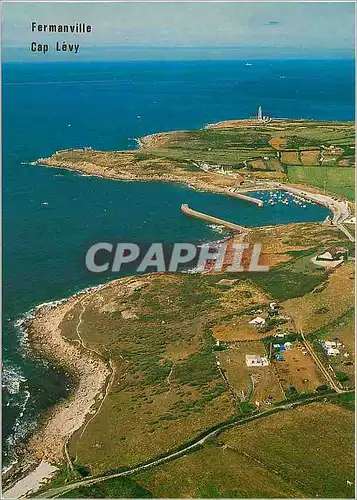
<point>200,215</point>
<point>245,197</point>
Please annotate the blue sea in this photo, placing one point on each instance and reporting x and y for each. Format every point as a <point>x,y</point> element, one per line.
<point>51,216</point>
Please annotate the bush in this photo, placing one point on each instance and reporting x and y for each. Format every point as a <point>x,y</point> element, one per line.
<point>341,376</point>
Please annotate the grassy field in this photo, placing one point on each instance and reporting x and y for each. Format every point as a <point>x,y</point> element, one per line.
<point>307,452</point>
<point>257,384</point>
<point>165,369</point>
<point>298,372</point>
<point>157,331</point>
<point>341,328</point>
<point>298,142</point>
<point>316,310</point>
<point>123,487</point>
<point>246,147</point>
<point>336,180</point>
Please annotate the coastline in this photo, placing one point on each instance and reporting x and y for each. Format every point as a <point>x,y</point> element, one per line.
<point>91,170</point>
<point>90,371</point>
<point>46,445</point>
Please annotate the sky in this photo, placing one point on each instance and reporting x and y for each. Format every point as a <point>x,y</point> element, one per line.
<point>182,30</point>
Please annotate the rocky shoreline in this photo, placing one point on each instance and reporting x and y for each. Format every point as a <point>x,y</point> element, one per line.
<point>47,445</point>
<point>90,169</point>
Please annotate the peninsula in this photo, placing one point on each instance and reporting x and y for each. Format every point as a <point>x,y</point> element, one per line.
<point>239,154</point>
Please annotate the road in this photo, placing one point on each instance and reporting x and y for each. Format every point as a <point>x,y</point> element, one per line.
<point>195,444</point>
<point>339,208</point>
<point>346,232</point>
<point>324,371</point>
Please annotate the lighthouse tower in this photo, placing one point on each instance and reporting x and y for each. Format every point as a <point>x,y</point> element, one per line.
<point>260,114</point>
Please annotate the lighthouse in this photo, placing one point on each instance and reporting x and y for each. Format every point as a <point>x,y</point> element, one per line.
<point>260,114</point>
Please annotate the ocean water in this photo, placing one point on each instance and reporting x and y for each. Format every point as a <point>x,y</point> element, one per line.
<point>51,216</point>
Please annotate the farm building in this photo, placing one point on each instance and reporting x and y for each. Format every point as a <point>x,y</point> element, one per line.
<point>329,343</point>
<point>257,321</point>
<point>273,306</point>
<point>331,347</point>
<point>332,254</point>
<point>254,360</point>
<point>332,351</point>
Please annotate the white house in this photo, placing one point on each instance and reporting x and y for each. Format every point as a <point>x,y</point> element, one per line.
<point>332,351</point>
<point>329,343</point>
<point>254,360</point>
<point>330,348</point>
<point>325,256</point>
<point>257,321</point>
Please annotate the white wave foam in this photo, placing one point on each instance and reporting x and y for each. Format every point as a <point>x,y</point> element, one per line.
<point>12,379</point>
<point>15,382</point>
<point>218,229</point>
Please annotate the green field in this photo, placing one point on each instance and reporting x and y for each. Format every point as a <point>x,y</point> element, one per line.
<point>236,144</point>
<point>336,180</point>
<point>123,487</point>
<point>304,453</point>
<point>231,147</point>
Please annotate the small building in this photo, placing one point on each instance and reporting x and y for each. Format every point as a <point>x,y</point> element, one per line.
<point>255,360</point>
<point>325,256</point>
<point>332,351</point>
<point>329,343</point>
<point>258,321</point>
<point>333,254</point>
<point>273,306</point>
<point>330,348</point>
<point>279,357</point>
<point>255,311</point>
<point>279,335</point>
<point>288,346</point>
